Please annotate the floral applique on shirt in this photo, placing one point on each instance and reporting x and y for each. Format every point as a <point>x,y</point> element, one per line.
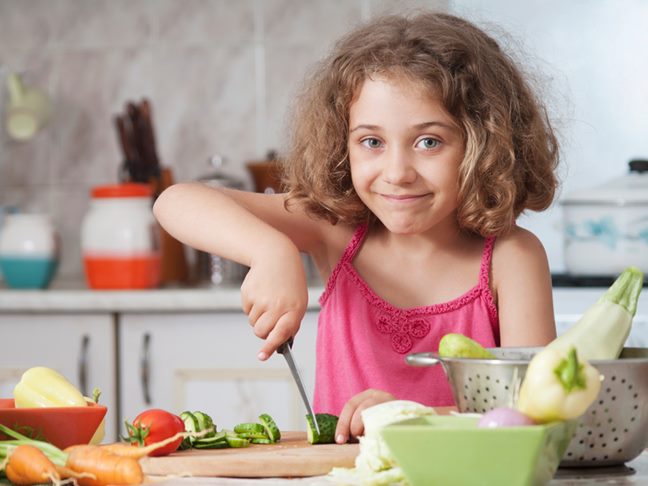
<point>403,330</point>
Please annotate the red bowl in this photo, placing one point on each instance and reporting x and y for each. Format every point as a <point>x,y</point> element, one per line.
<point>61,426</point>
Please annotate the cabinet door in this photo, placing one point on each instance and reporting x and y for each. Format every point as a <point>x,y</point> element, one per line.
<point>208,362</point>
<point>571,303</point>
<point>79,346</point>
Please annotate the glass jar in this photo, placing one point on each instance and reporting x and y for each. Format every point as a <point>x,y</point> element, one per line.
<point>120,238</point>
<point>29,250</point>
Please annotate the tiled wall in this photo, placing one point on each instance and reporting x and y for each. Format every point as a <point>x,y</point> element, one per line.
<point>219,74</point>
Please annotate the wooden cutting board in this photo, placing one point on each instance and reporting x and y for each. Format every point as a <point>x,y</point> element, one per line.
<point>292,456</point>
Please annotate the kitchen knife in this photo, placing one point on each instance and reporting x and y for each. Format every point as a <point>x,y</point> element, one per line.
<point>287,354</point>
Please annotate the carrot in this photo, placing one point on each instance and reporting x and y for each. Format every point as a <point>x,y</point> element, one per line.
<point>29,465</point>
<point>104,466</point>
<point>128,450</point>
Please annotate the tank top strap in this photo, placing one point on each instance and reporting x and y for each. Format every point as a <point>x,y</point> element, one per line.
<point>348,255</point>
<point>484,280</point>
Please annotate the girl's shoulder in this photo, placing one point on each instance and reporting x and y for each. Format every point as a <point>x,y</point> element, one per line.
<point>518,253</point>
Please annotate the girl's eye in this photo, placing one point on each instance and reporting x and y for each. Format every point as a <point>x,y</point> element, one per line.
<point>372,143</point>
<point>428,143</point>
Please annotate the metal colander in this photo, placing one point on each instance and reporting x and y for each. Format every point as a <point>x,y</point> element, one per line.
<point>613,430</point>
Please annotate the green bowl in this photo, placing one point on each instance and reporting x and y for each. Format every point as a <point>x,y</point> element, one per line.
<point>452,450</point>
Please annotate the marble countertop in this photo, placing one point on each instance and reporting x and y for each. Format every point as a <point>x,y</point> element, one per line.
<point>633,473</point>
<point>74,296</point>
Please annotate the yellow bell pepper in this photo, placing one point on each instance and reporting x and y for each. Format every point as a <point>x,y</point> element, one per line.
<point>557,386</point>
<point>45,387</point>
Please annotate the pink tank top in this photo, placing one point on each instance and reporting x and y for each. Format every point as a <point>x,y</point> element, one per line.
<point>362,340</point>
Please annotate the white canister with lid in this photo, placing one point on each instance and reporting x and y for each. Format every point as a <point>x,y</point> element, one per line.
<point>120,238</point>
<point>29,250</point>
<point>606,227</point>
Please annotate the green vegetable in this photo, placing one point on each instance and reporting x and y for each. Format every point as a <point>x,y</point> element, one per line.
<point>271,429</point>
<point>191,425</point>
<point>56,455</point>
<point>557,386</point>
<point>327,424</point>
<point>250,430</point>
<point>205,423</point>
<point>456,345</point>
<point>604,327</point>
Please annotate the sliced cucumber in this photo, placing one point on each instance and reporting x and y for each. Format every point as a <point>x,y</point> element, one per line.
<point>327,424</point>
<point>205,422</point>
<point>190,425</point>
<point>237,442</point>
<point>271,429</point>
<point>250,430</point>
<point>262,441</point>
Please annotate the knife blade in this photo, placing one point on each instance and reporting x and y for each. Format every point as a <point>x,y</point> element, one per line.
<point>287,354</point>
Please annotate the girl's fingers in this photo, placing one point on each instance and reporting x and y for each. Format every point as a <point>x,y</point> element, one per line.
<point>343,429</point>
<point>283,330</point>
<point>356,427</point>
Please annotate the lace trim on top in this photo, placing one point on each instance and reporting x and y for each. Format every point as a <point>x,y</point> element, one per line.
<point>405,325</point>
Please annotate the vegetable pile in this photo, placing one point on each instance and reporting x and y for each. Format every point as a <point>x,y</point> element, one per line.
<point>29,461</point>
<point>203,433</point>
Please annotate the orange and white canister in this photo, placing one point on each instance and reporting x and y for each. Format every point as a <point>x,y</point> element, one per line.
<point>120,238</point>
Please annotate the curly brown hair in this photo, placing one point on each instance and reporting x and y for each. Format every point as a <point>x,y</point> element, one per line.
<point>511,151</point>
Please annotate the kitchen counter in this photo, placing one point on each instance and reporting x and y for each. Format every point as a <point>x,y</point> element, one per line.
<point>634,473</point>
<point>74,296</point>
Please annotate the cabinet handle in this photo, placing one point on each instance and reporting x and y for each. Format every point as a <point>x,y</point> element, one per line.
<point>145,368</point>
<point>83,365</point>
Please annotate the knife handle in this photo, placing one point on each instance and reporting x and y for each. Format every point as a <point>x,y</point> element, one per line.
<point>288,344</point>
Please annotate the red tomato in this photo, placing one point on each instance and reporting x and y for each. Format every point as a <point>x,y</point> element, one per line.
<point>153,426</point>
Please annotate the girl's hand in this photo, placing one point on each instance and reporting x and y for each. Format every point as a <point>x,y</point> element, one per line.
<point>274,296</point>
<point>350,421</point>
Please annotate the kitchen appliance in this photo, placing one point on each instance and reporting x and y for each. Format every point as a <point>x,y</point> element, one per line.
<point>120,238</point>
<point>291,457</point>
<point>613,430</point>
<point>214,269</point>
<point>606,227</point>
<point>284,349</point>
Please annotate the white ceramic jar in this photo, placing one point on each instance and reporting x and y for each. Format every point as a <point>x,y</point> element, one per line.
<point>606,227</point>
<point>29,250</point>
<point>120,238</point>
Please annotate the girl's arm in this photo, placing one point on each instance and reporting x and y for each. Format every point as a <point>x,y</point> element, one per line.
<point>522,284</point>
<point>254,230</point>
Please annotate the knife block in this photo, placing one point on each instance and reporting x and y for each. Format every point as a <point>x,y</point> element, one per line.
<point>173,262</point>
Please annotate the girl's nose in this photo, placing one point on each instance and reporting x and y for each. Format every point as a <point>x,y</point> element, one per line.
<point>398,167</point>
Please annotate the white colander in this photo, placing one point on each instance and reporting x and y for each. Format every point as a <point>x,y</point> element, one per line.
<point>612,431</point>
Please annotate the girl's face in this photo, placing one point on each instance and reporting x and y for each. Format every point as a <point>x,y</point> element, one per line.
<point>404,151</point>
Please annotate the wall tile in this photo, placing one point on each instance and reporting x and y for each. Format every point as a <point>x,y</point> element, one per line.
<point>290,21</point>
<point>104,23</point>
<point>29,23</point>
<point>203,22</point>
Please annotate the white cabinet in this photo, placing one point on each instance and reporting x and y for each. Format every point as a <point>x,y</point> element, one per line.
<point>79,346</point>
<point>207,362</point>
<point>570,304</point>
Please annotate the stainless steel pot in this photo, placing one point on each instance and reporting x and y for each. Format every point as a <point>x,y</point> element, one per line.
<point>606,227</point>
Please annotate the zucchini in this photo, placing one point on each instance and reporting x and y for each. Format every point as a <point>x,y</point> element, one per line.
<point>603,329</point>
<point>271,429</point>
<point>327,423</point>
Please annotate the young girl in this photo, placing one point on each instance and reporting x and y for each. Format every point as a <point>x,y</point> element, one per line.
<point>416,145</point>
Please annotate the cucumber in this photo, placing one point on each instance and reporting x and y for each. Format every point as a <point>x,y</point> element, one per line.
<point>216,441</point>
<point>250,430</point>
<point>205,422</point>
<point>271,429</point>
<point>237,441</point>
<point>190,425</point>
<point>261,441</point>
<point>327,423</point>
